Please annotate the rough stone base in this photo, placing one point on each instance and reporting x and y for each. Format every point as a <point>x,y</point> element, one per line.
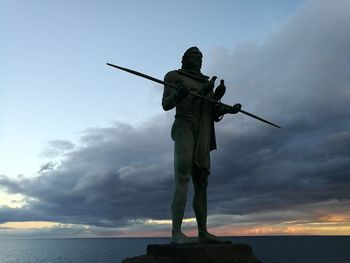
<point>207,253</point>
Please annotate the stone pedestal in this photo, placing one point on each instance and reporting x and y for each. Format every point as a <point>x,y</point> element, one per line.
<point>196,253</point>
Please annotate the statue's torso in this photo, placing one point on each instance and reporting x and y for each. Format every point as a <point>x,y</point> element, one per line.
<point>198,115</point>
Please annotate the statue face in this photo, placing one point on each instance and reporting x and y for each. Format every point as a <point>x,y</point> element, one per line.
<point>194,60</point>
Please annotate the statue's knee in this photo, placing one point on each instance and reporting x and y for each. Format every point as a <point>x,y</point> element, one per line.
<point>183,172</point>
<point>183,178</point>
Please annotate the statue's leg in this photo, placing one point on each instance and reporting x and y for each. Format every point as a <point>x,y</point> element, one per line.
<point>200,182</point>
<point>183,155</point>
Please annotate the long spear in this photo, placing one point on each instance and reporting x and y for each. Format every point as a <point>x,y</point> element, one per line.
<point>191,93</point>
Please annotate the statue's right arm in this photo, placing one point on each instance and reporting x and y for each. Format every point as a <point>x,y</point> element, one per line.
<point>169,94</point>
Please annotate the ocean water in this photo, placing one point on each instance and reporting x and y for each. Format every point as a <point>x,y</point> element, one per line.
<point>278,249</point>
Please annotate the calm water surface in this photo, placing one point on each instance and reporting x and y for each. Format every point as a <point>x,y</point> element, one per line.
<point>308,249</point>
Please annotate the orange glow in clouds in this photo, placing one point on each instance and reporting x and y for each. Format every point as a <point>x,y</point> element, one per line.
<point>28,225</point>
<point>326,224</point>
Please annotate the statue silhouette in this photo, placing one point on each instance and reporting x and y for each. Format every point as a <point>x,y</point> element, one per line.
<point>194,136</point>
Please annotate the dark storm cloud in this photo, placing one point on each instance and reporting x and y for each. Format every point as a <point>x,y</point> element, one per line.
<point>298,77</point>
<point>118,173</point>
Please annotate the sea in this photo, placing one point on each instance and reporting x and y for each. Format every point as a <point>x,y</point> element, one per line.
<point>268,249</point>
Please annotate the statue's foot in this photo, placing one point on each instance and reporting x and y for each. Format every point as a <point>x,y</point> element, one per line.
<point>207,238</point>
<point>179,238</point>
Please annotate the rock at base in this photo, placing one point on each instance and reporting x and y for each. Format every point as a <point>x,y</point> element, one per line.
<point>193,253</point>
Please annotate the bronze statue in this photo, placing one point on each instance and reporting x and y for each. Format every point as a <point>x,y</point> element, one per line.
<point>198,106</point>
<point>194,137</point>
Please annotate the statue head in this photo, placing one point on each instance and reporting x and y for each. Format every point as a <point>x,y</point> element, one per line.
<point>192,59</point>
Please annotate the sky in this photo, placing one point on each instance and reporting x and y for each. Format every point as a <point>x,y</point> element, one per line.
<point>85,149</point>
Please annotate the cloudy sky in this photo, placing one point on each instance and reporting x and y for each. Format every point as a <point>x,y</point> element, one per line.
<point>85,150</point>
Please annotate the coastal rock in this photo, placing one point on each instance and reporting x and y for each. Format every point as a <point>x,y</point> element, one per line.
<point>196,253</point>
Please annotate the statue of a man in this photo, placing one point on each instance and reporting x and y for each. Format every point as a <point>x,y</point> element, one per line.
<point>194,137</point>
